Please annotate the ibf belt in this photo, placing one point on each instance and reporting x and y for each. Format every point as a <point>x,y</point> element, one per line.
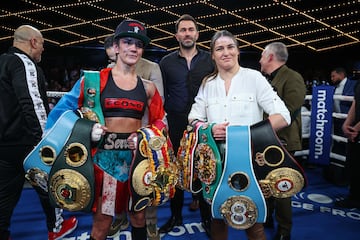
<point>71,179</point>
<point>39,161</point>
<point>207,161</point>
<point>185,159</point>
<point>153,174</point>
<point>274,166</point>
<point>238,199</point>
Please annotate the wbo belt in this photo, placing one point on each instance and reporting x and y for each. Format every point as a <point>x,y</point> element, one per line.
<point>38,162</point>
<point>238,198</point>
<point>71,179</point>
<point>207,162</point>
<point>153,174</point>
<point>274,166</point>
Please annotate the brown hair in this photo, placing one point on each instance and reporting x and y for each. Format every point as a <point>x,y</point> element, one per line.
<point>215,37</point>
<point>186,17</point>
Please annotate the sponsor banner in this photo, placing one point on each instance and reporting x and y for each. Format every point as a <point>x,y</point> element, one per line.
<point>321,124</point>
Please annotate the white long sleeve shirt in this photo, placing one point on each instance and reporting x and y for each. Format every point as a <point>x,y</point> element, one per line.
<point>249,96</point>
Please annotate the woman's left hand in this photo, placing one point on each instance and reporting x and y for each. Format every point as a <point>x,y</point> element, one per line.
<point>219,130</point>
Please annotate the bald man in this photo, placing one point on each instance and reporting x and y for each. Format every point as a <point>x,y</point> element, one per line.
<point>23,114</point>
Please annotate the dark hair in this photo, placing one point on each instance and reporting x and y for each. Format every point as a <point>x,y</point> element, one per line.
<point>185,17</point>
<point>215,37</point>
<point>340,70</point>
<point>219,34</point>
<point>108,42</point>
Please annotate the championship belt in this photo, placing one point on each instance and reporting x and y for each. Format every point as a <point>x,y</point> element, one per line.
<point>184,160</point>
<point>274,166</point>
<point>91,108</point>
<point>38,163</point>
<point>207,162</point>
<point>71,179</point>
<point>153,174</point>
<point>238,199</point>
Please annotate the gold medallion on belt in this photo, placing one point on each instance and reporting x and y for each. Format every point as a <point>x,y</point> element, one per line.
<point>70,189</point>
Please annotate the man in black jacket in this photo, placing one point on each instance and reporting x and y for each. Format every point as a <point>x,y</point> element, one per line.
<point>23,114</point>
<point>183,71</point>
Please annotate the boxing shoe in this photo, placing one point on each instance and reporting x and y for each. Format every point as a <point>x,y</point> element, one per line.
<point>170,224</point>
<point>67,227</point>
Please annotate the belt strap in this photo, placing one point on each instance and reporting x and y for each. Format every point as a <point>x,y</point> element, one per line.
<point>185,159</point>
<point>207,161</point>
<point>153,175</point>
<point>92,105</point>
<point>238,198</point>
<point>274,166</point>
<point>37,167</point>
<point>71,179</point>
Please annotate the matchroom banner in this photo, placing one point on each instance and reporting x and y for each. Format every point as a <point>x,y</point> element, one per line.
<point>321,124</point>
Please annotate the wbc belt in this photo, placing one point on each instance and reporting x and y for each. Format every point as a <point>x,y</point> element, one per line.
<point>274,166</point>
<point>238,198</point>
<point>153,174</point>
<point>207,162</point>
<point>39,161</point>
<point>71,179</point>
<point>91,108</point>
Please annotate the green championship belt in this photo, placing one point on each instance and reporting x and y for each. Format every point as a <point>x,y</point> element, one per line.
<point>207,162</point>
<point>91,108</point>
<point>71,179</point>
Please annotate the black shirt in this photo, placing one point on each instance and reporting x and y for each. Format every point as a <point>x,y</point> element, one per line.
<point>181,84</point>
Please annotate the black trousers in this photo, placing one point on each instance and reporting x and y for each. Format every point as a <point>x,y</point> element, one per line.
<point>177,124</point>
<point>12,179</point>
<point>353,166</point>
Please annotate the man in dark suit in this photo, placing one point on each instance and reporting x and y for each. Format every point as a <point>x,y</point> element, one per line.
<point>291,88</point>
<point>344,86</point>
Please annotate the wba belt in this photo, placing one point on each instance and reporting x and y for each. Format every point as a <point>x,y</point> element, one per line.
<point>71,179</point>
<point>207,162</point>
<point>153,175</point>
<point>238,198</point>
<point>273,165</point>
<point>39,161</point>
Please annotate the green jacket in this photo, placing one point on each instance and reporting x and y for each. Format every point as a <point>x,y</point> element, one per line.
<point>291,88</point>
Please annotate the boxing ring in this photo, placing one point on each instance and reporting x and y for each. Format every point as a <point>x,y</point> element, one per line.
<point>306,116</point>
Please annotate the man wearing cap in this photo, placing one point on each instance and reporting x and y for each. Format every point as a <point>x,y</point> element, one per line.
<point>127,103</point>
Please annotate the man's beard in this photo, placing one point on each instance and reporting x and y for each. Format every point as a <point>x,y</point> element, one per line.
<point>187,46</point>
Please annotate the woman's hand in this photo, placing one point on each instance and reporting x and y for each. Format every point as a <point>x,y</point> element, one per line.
<point>97,132</point>
<point>219,131</point>
<point>132,141</point>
